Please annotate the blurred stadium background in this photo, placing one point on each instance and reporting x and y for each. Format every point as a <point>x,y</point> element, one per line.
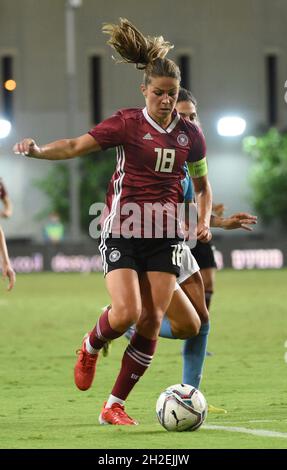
<point>232,56</point>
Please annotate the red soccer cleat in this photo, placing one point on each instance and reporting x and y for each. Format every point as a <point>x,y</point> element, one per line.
<point>85,367</point>
<point>115,415</point>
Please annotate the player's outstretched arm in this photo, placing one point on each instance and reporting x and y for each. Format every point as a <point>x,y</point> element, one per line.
<point>7,270</point>
<point>58,150</point>
<point>239,220</point>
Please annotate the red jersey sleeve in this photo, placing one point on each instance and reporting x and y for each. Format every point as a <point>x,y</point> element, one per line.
<point>110,132</point>
<point>198,146</point>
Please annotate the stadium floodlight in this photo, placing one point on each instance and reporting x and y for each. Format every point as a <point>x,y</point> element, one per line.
<point>10,85</point>
<point>231,126</point>
<point>75,3</point>
<point>5,128</point>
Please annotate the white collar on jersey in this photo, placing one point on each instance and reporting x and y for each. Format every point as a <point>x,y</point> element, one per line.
<point>157,126</point>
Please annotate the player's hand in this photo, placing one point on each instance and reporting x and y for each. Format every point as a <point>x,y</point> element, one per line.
<point>203,233</point>
<point>218,209</point>
<point>240,220</point>
<point>9,273</point>
<point>27,147</point>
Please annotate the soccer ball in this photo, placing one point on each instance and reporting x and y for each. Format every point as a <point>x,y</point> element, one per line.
<point>181,408</point>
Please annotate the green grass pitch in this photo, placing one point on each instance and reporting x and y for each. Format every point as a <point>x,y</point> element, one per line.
<point>44,319</point>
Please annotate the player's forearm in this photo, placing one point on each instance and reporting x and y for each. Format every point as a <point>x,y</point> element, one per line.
<point>204,201</point>
<point>59,150</point>
<point>3,249</point>
<point>216,221</point>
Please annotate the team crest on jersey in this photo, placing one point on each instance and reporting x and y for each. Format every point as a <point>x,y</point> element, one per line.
<point>182,139</point>
<point>114,256</point>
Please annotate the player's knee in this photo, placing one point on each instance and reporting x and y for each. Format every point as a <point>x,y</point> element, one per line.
<point>126,315</point>
<point>186,330</point>
<point>204,316</point>
<point>209,286</point>
<point>151,321</point>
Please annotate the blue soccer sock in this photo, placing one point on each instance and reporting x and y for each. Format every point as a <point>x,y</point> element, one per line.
<point>165,329</point>
<point>193,354</point>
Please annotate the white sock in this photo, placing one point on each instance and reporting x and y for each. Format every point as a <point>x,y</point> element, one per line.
<point>113,400</point>
<point>90,348</point>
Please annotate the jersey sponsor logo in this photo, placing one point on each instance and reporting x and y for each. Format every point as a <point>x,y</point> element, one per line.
<point>114,256</point>
<point>182,139</point>
<point>148,136</point>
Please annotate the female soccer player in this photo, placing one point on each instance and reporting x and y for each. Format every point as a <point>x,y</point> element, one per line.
<point>152,146</point>
<point>203,252</point>
<point>7,270</point>
<point>190,281</point>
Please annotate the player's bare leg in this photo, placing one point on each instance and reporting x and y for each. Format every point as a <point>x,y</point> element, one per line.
<point>208,278</point>
<point>139,352</point>
<point>182,315</point>
<point>123,287</point>
<point>194,289</point>
<point>155,301</point>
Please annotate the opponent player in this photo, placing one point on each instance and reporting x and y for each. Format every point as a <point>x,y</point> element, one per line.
<point>7,270</point>
<point>203,252</point>
<point>194,348</point>
<point>7,210</point>
<point>152,145</point>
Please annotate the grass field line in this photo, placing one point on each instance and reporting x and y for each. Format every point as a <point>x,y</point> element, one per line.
<point>248,421</point>
<point>255,432</point>
<point>265,420</point>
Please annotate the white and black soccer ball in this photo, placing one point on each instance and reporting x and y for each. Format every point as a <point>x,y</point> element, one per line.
<point>181,407</point>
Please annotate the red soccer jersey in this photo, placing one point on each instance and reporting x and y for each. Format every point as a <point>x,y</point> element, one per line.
<point>150,159</point>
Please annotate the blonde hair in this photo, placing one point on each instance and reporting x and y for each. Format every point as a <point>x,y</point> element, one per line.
<point>147,53</point>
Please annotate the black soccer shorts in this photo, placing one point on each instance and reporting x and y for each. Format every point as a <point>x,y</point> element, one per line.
<point>204,255</point>
<point>142,254</point>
